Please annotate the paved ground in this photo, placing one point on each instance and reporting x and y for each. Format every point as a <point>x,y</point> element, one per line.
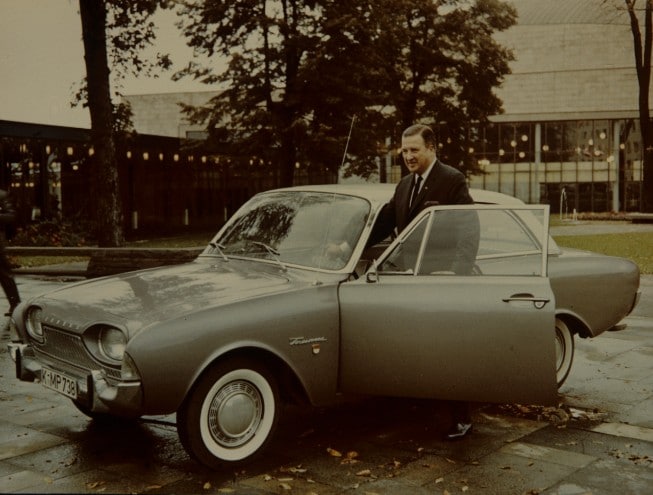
<point>599,441</point>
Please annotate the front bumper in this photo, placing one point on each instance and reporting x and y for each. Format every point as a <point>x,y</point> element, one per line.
<point>94,392</point>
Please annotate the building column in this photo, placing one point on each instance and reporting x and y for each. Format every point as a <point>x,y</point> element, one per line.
<point>616,132</point>
<point>535,187</point>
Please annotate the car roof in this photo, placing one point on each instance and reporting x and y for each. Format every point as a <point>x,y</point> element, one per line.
<point>382,192</point>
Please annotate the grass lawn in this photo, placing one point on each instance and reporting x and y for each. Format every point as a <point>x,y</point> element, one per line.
<point>635,246</point>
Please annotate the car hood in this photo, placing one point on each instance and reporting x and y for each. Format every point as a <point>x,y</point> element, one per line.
<point>137,299</point>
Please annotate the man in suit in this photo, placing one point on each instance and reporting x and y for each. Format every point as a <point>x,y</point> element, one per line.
<point>430,182</point>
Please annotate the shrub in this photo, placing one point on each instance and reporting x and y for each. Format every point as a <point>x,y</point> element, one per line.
<point>52,233</point>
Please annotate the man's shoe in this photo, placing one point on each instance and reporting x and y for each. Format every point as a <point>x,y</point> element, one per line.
<point>458,431</point>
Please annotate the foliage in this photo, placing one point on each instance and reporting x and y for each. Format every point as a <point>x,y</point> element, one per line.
<point>130,31</point>
<point>55,233</point>
<point>299,72</point>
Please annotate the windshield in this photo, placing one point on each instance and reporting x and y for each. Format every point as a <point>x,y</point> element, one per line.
<point>318,230</point>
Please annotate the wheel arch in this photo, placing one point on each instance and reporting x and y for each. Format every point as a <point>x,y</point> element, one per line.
<point>291,388</point>
<point>575,323</point>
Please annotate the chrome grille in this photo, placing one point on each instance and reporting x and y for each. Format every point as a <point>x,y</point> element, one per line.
<point>70,349</point>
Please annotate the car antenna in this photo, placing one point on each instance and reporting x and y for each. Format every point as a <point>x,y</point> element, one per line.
<point>351,127</point>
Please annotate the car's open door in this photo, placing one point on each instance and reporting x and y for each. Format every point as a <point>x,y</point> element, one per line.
<point>458,307</point>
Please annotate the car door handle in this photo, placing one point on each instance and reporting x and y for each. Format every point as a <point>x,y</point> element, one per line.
<point>538,302</point>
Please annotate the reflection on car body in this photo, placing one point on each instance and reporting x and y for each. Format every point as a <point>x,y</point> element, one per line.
<point>469,302</point>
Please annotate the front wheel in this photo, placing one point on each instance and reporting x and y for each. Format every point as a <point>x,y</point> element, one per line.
<point>564,351</point>
<point>230,414</point>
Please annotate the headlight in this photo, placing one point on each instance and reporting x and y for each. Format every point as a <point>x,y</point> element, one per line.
<point>33,322</point>
<point>112,343</point>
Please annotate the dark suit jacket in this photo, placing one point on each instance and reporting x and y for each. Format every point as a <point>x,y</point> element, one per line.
<point>444,185</point>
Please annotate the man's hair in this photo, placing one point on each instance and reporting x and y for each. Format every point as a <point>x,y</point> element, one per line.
<point>423,130</point>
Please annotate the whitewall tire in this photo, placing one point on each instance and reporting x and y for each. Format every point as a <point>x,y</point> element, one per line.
<point>564,343</point>
<point>231,413</point>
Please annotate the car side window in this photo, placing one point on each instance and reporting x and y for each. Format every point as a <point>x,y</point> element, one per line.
<point>403,258</point>
<point>475,242</point>
<point>451,244</point>
<point>508,245</point>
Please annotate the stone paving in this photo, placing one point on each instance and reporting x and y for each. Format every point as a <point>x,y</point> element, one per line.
<point>599,441</point>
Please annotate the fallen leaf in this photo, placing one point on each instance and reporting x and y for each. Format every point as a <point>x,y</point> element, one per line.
<point>439,480</point>
<point>333,452</point>
<point>267,477</point>
<point>293,469</point>
<point>364,472</point>
<point>285,480</point>
<point>285,486</point>
<point>465,488</point>
<point>206,486</point>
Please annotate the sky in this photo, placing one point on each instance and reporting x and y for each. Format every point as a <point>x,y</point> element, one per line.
<point>42,62</point>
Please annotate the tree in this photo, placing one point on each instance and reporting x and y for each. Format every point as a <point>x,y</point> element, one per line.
<point>259,113</point>
<point>642,43</point>
<point>299,71</point>
<point>433,62</point>
<point>129,32</point>
<point>104,172</point>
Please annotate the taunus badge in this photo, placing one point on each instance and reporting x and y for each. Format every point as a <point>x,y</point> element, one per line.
<point>314,341</point>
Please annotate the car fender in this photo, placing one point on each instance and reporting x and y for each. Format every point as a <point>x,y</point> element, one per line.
<point>299,327</point>
<point>598,290</point>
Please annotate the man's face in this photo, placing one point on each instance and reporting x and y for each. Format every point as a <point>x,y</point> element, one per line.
<point>417,155</point>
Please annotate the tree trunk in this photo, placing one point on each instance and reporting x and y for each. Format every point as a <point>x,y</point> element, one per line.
<point>643,66</point>
<point>104,173</point>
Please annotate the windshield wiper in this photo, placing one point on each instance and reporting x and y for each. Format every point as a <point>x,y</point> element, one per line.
<point>219,248</point>
<point>272,251</point>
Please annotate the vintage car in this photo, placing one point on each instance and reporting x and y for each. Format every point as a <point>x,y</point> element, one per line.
<point>288,301</point>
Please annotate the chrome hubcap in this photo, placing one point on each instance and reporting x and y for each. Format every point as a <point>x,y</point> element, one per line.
<point>235,413</point>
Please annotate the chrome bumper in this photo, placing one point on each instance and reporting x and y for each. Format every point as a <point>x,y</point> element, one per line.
<point>94,391</point>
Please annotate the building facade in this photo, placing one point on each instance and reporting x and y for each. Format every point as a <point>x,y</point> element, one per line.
<point>569,134</point>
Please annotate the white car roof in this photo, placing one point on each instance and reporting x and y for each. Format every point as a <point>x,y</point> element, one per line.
<point>381,193</point>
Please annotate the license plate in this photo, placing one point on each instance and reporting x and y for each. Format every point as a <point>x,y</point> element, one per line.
<point>59,382</point>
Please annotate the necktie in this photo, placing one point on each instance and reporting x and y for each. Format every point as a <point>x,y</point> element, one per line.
<point>415,190</point>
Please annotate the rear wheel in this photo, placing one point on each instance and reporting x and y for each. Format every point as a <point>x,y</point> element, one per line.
<point>230,414</point>
<point>564,351</point>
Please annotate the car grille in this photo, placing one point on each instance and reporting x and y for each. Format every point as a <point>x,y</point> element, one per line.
<point>70,349</point>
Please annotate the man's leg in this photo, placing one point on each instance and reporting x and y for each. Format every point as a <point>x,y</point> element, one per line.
<point>461,420</point>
